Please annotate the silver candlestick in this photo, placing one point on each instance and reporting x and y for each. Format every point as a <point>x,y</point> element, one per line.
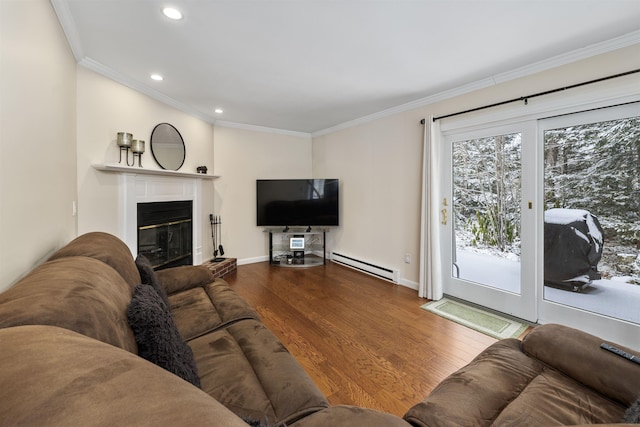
<point>138,149</point>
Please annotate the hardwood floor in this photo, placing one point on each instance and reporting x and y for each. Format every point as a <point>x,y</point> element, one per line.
<point>363,340</point>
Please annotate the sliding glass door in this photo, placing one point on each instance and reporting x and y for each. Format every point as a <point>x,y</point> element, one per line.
<point>540,219</point>
<point>488,212</point>
<point>591,230</point>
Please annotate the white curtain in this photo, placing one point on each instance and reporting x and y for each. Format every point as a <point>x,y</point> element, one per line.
<point>430,285</point>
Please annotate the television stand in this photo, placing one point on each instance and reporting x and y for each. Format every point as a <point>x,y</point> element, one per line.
<point>297,247</point>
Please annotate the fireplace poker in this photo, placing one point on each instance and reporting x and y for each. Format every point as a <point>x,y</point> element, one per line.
<point>213,235</point>
<point>220,236</point>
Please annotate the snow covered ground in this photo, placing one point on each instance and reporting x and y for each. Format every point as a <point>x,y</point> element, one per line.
<point>489,270</point>
<point>608,297</point>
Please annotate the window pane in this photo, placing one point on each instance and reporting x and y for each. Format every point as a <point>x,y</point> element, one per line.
<point>592,217</point>
<point>486,211</point>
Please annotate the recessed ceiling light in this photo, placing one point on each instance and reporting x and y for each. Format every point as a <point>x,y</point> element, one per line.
<point>156,77</point>
<point>218,111</point>
<point>172,13</point>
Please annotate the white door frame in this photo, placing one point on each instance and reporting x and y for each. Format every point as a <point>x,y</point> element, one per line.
<point>620,331</point>
<point>614,92</point>
<point>523,304</point>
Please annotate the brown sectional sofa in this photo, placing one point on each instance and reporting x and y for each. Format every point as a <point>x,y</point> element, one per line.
<point>76,362</point>
<point>68,356</point>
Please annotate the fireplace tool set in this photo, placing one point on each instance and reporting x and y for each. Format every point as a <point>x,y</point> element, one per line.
<point>216,236</point>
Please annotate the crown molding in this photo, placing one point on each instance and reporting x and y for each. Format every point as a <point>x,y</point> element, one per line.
<point>626,40</point>
<point>61,8</point>
<point>69,28</point>
<point>537,67</point>
<point>235,125</point>
<point>441,96</point>
<point>110,73</point>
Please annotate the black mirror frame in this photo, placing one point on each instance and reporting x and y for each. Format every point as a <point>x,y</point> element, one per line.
<point>184,148</point>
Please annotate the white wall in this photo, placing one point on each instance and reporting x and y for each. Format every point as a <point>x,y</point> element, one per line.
<point>105,108</point>
<point>37,137</point>
<point>379,166</point>
<point>379,162</point>
<point>242,156</point>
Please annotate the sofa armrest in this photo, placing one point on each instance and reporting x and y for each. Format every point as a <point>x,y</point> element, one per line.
<point>185,277</point>
<point>55,377</point>
<point>578,355</point>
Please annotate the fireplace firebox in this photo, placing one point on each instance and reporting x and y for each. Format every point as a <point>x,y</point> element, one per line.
<point>165,233</point>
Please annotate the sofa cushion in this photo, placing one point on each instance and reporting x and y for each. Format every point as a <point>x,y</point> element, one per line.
<point>246,368</point>
<point>106,248</point>
<point>578,355</point>
<point>185,277</point>
<point>78,293</point>
<point>148,277</point>
<point>157,337</point>
<point>476,394</point>
<point>200,310</point>
<point>552,398</point>
<point>57,378</point>
<point>503,386</point>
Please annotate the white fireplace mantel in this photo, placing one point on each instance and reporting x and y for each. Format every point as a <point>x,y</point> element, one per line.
<point>139,185</point>
<point>119,168</point>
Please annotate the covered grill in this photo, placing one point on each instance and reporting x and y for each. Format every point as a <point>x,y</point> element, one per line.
<point>573,242</point>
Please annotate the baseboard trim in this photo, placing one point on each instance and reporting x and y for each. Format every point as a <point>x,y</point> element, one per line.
<point>253,260</point>
<point>408,284</point>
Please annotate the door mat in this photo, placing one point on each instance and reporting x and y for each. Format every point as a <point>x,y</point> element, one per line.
<point>488,323</point>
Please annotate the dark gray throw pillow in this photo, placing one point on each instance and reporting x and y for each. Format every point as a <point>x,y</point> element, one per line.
<point>148,277</point>
<point>633,413</point>
<point>157,336</point>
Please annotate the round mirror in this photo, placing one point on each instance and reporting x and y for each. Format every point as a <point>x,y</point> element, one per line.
<point>167,147</point>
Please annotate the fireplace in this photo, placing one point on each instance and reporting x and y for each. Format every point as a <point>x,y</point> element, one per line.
<point>165,233</point>
<point>141,186</point>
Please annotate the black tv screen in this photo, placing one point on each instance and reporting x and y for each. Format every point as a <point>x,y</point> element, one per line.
<point>297,202</point>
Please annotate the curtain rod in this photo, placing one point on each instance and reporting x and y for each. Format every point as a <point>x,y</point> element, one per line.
<point>535,95</point>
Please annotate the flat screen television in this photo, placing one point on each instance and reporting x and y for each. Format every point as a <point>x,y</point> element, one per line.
<point>297,202</point>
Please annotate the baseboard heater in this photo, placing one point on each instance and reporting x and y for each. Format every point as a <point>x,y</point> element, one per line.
<point>367,267</point>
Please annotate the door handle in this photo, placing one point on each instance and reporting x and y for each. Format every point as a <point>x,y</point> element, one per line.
<point>444,216</point>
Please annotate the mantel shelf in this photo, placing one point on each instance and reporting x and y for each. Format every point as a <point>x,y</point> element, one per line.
<point>118,168</point>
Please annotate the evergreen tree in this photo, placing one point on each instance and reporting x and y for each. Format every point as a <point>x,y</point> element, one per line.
<point>597,167</point>
<point>487,192</point>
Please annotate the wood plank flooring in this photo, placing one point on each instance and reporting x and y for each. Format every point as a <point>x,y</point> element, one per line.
<point>363,340</point>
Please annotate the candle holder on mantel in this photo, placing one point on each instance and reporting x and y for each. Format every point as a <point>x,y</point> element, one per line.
<point>124,141</point>
<point>138,149</point>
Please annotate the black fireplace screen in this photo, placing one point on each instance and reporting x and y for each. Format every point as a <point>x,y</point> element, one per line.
<point>165,232</point>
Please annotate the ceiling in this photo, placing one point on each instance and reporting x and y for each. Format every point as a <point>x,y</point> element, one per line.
<point>313,65</point>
